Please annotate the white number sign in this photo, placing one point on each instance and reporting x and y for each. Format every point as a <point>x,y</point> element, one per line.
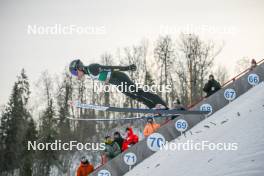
<point>155,141</point>
<point>253,79</point>
<point>206,107</point>
<point>181,125</point>
<point>104,173</point>
<point>130,158</point>
<point>230,94</point>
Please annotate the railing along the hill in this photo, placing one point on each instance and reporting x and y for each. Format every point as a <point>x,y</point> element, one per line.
<point>224,85</point>
<point>201,99</point>
<point>227,83</point>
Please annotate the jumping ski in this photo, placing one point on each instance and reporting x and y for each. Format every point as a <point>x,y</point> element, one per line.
<point>78,104</point>
<point>120,119</point>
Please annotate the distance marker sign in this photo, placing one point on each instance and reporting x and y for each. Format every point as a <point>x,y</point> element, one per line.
<point>206,107</point>
<point>181,125</point>
<point>130,158</point>
<point>253,79</point>
<point>230,94</point>
<point>155,141</point>
<point>104,173</point>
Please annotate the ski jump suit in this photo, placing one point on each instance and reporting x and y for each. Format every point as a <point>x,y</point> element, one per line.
<point>120,79</point>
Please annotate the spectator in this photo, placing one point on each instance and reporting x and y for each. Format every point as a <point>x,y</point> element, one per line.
<point>211,86</point>
<point>178,106</point>
<point>119,140</point>
<point>150,127</point>
<point>130,140</point>
<point>253,64</point>
<point>112,149</point>
<point>85,167</point>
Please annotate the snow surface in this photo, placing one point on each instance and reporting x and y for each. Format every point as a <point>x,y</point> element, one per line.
<point>242,122</point>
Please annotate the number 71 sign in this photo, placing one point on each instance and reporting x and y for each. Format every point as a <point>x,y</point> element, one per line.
<point>130,158</point>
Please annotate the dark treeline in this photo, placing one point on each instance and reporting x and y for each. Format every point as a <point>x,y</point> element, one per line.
<point>183,65</point>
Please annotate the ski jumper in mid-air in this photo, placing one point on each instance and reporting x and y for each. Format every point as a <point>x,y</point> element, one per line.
<point>114,75</point>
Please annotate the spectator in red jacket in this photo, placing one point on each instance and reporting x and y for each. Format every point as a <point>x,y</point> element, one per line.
<point>130,140</point>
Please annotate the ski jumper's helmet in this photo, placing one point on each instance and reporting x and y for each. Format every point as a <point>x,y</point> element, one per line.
<point>76,65</point>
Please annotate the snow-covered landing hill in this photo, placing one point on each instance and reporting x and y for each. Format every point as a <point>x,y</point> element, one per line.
<point>242,122</point>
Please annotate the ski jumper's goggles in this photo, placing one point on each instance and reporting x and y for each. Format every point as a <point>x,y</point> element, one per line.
<point>74,66</point>
<point>74,72</point>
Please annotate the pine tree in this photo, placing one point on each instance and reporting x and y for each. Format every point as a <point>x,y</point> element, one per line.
<point>47,129</point>
<point>28,156</point>
<point>64,95</point>
<point>48,134</point>
<point>14,125</point>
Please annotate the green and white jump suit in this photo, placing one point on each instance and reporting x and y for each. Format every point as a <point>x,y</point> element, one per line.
<point>103,73</point>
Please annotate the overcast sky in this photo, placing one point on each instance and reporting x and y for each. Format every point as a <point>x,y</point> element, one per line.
<point>119,23</point>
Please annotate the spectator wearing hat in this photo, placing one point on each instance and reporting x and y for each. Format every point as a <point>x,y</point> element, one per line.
<point>150,127</point>
<point>112,149</point>
<point>131,139</point>
<point>253,64</point>
<point>211,86</point>
<point>177,106</point>
<point>85,167</point>
<point>119,140</point>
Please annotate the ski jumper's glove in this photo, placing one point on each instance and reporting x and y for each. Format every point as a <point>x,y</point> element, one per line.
<point>132,67</point>
<point>120,68</point>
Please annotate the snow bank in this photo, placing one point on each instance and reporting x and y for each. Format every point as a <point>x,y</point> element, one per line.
<point>240,122</point>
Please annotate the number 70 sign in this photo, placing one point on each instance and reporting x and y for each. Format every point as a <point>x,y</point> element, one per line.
<point>155,141</point>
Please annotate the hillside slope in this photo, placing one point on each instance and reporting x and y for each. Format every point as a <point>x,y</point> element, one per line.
<point>241,122</point>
